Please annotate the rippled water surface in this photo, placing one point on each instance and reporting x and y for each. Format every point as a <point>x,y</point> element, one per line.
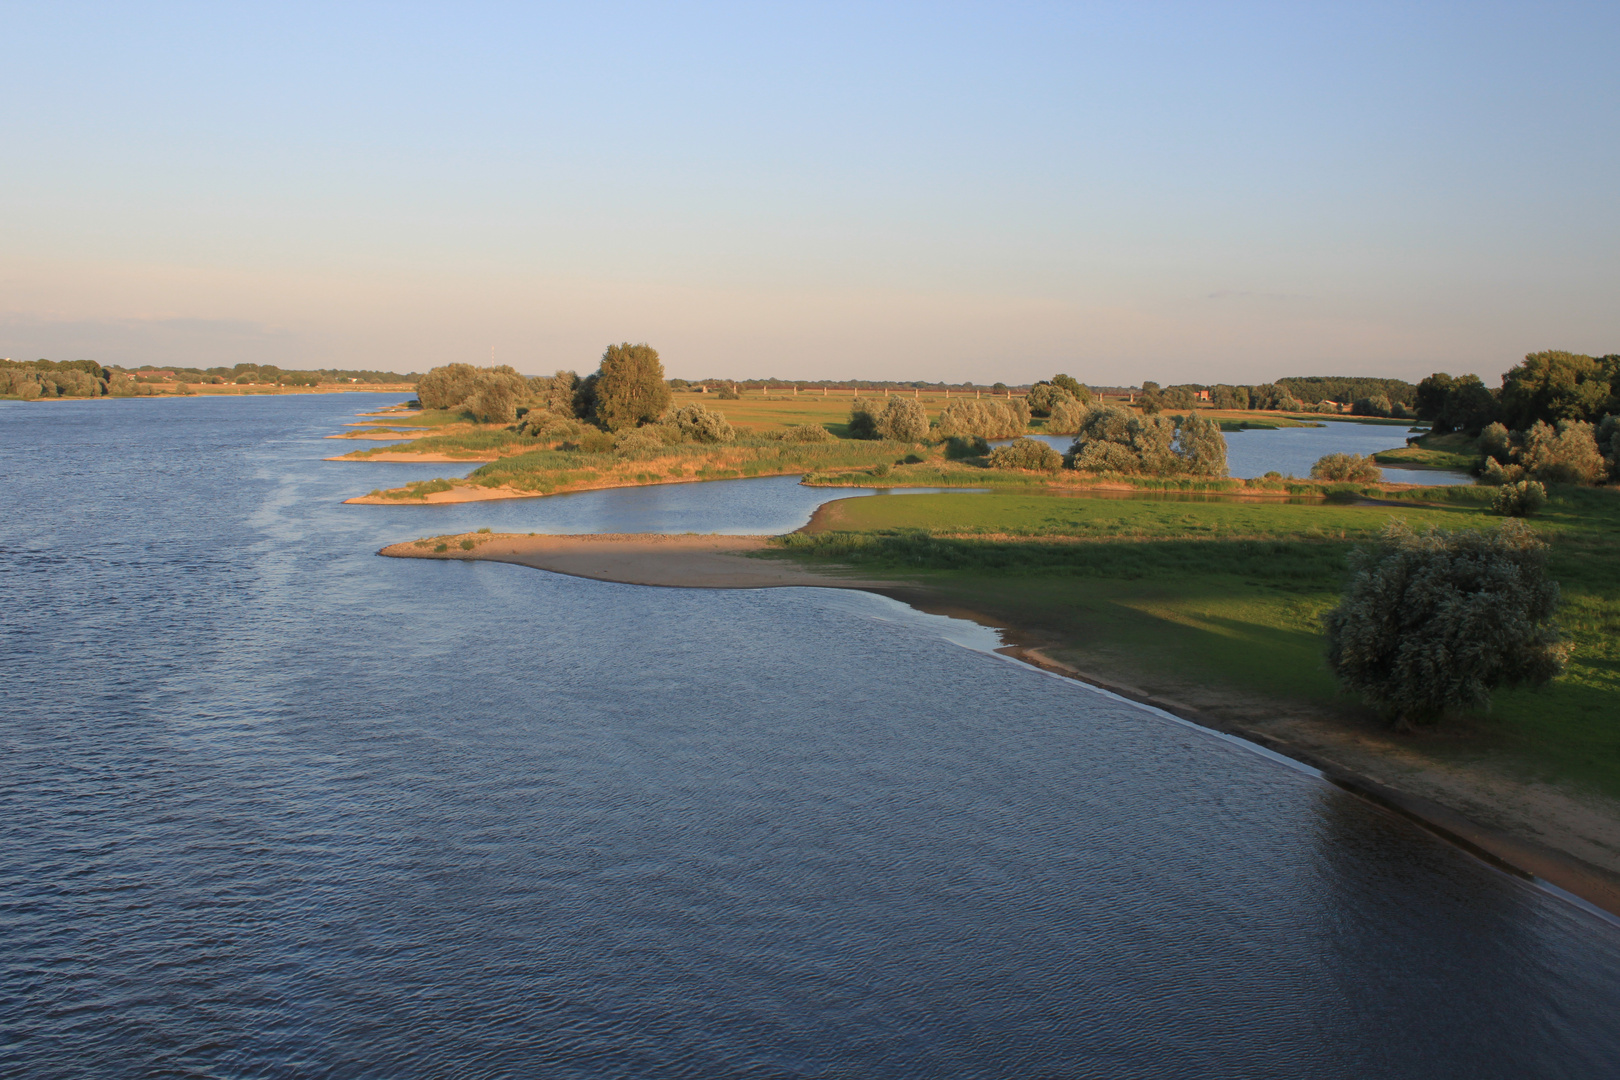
<point>274,806</point>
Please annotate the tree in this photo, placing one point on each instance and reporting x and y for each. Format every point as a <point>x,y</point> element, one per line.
<point>1567,454</point>
<point>1430,400</point>
<point>1552,386</point>
<point>863,416</point>
<point>1469,405</point>
<point>1376,405</point>
<point>495,394</point>
<point>629,389</point>
<point>443,387</point>
<point>1431,623</point>
<point>985,418</point>
<point>1152,397</point>
<point>1044,397</point>
<point>1077,389</point>
<point>1201,446</point>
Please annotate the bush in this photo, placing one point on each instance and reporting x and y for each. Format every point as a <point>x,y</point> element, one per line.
<point>638,440</point>
<point>985,419</point>
<point>1029,454</point>
<point>863,416</point>
<point>1495,473</point>
<point>1519,500</point>
<point>467,545</point>
<point>1496,441</point>
<point>806,433</point>
<point>1068,416</point>
<point>1116,440</point>
<point>903,420</point>
<point>1431,623</point>
<point>1567,454</point>
<point>441,547</point>
<point>443,387</point>
<point>1348,467</point>
<point>702,425</point>
<point>958,447</point>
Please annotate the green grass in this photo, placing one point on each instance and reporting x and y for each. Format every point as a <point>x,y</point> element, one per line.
<point>1230,594</point>
<point>1453,450</point>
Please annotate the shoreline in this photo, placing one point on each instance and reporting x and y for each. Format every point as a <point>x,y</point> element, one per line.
<point>729,562</point>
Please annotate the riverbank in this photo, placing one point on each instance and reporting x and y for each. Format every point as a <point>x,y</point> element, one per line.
<point>1544,828</point>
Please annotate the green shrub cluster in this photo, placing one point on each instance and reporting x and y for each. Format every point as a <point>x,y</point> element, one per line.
<point>901,419</point>
<point>1519,500</point>
<point>1115,440</point>
<point>984,418</point>
<point>1348,467</point>
<point>1026,454</point>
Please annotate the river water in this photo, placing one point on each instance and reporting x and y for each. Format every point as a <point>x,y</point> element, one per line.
<point>274,806</point>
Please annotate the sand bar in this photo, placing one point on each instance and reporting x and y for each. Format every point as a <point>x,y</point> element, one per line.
<point>687,561</point>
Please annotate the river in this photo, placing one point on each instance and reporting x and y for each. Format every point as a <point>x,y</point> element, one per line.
<point>274,806</point>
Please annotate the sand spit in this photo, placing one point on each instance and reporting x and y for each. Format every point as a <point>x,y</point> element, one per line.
<point>688,561</point>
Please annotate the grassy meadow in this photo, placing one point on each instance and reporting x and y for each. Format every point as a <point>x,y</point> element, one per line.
<point>1172,593</point>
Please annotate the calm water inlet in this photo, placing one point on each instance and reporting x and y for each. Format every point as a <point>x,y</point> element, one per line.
<point>274,806</point>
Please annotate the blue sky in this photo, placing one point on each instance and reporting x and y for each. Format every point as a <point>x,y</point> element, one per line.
<point>1175,192</point>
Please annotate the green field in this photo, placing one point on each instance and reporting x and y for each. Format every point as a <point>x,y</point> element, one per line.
<point>1229,595</point>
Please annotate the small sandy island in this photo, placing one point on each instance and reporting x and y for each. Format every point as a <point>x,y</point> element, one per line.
<point>688,561</point>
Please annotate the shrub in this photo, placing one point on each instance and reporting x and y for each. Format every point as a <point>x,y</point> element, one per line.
<point>637,440</point>
<point>702,425</point>
<point>441,547</point>
<point>467,545</point>
<point>1116,440</point>
<point>965,446</point>
<point>863,416</point>
<point>486,529</point>
<point>805,433</point>
<point>903,420</point>
<point>1496,441</point>
<point>728,392</point>
<point>1431,623</point>
<point>1519,500</point>
<point>881,469</point>
<point>1496,473</point>
<point>985,419</point>
<point>1565,455</point>
<point>1349,467</point>
<point>592,442</point>
<point>1068,416</point>
<point>1028,454</point>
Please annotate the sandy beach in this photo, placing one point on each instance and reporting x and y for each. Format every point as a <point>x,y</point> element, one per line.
<point>684,562</point>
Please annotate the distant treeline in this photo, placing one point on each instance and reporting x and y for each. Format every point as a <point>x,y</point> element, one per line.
<point>31,380</point>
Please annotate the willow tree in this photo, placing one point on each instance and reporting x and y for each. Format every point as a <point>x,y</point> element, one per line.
<point>629,388</point>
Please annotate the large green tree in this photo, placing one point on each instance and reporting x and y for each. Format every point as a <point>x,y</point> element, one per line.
<point>629,387</point>
<point>1553,386</point>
